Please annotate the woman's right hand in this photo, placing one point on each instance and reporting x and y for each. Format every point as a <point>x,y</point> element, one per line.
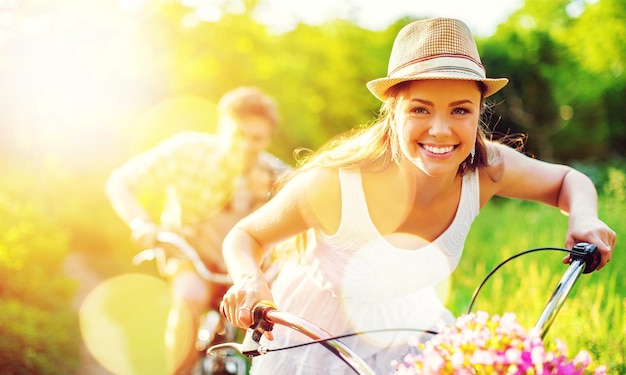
<point>241,298</point>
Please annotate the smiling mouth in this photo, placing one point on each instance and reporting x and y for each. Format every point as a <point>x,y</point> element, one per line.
<point>437,149</point>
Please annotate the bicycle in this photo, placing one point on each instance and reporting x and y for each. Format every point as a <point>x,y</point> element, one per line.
<point>584,258</point>
<point>214,329</point>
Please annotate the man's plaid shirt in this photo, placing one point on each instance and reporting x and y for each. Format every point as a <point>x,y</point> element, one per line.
<point>194,178</point>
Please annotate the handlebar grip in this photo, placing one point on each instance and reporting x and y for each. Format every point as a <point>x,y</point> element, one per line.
<point>260,323</point>
<point>264,305</point>
<point>588,253</point>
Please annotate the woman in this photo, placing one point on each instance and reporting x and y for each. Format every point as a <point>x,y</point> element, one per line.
<point>390,208</point>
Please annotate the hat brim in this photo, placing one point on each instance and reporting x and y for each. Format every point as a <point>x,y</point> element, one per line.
<point>379,86</point>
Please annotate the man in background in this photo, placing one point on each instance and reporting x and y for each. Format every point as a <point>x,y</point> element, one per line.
<point>206,183</point>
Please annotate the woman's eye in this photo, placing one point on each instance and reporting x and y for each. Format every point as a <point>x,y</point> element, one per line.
<point>419,110</point>
<point>460,111</point>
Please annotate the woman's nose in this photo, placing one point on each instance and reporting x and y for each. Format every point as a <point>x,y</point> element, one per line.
<point>439,127</point>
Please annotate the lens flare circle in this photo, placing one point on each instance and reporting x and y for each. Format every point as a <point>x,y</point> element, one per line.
<point>122,321</point>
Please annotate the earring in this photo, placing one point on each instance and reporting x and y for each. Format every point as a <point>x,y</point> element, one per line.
<point>472,154</point>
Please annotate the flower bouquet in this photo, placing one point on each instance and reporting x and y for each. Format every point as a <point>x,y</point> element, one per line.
<point>482,344</point>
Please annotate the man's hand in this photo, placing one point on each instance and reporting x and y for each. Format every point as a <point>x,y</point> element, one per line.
<point>144,233</point>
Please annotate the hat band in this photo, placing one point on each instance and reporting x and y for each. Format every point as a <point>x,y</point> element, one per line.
<point>444,63</point>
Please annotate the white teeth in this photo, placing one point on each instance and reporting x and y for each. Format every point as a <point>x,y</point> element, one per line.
<point>438,150</point>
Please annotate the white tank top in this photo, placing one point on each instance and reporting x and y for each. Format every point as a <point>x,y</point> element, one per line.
<point>355,281</point>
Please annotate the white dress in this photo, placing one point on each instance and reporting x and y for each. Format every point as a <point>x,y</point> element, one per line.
<point>356,281</point>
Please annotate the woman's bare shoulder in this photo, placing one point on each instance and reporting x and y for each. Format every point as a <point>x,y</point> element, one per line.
<point>492,174</point>
<point>320,197</point>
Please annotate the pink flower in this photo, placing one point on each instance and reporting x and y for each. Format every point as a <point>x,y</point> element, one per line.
<point>582,359</point>
<point>483,344</point>
<point>538,356</point>
<point>513,355</point>
<point>483,357</point>
<point>600,370</point>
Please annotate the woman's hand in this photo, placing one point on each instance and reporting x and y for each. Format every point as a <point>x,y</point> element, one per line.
<point>591,230</point>
<point>241,298</point>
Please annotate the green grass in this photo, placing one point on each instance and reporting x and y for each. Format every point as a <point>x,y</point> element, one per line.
<point>592,317</point>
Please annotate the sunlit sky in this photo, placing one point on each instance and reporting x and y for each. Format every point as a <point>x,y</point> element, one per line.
<point>482,16</point>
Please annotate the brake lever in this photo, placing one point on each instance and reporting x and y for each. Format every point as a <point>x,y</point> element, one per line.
<point>589,255</point>
<point>251,346</point>
<point>260,325</point>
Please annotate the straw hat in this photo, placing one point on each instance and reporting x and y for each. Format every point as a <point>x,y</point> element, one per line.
<point>438,48</point>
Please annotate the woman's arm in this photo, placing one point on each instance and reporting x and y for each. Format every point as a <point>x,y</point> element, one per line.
<point>561,186</point>
<point>283,217</point>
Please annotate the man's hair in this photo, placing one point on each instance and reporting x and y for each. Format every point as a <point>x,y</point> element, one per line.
<point>248,101</point>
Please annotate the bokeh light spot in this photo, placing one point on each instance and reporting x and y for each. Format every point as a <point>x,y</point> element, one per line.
<point>122,322</point>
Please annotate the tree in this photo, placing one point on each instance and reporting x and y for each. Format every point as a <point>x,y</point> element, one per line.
<point>596,42</point>
<point>529,102</point>
<point>557,94</point>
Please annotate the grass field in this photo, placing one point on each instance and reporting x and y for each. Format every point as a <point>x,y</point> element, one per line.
<point>592,317</point>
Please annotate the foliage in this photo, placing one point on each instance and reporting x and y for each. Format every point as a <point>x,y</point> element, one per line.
<point>567,77</point>
<point>38,327</point>
<point>215,57</point>
<point>529,103</point>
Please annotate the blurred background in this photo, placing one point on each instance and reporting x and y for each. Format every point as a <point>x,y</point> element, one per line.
<point>84,85</point>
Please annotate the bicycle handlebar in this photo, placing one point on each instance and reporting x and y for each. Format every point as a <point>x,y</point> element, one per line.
<point>584,258</point>
<point>179,243</point>
<point>265,316</point>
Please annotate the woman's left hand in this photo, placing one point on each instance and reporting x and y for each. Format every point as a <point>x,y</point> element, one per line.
<point>594,231</point>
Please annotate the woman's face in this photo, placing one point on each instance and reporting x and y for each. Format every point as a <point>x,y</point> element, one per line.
<point>437,122</point>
